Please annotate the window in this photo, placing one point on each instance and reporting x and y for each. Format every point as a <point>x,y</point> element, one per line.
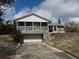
<point>50,29</point>
<point>28,23</point>
<point>36,24</point>
<point>43,24</point>
<point>20,23</point>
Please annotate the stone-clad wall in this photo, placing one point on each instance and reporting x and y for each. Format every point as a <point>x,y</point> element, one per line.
<point>46,37</point>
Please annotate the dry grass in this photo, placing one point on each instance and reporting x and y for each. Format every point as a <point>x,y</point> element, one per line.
<point>7,47</point>
<point>68,42</point>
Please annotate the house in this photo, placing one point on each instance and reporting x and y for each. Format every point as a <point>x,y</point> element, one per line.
<point>33,27</point>
<point>56,28</point>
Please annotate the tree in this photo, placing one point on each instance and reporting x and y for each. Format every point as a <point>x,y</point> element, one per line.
<point>1,21</point>
<point>7,3</point>
<point>72,27</point>
<point>8,22</point>
<point>10,28</point>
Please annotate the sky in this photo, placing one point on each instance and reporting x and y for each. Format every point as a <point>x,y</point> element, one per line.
<point>50,9</point>
<point>26,3</point>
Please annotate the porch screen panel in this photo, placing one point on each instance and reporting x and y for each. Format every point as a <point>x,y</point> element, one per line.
<point>36,23</point>
<point>28,23</point>
<point>28,26</point>
<point>20,23</point>
<point>36,26</point>
<point>43,24</point>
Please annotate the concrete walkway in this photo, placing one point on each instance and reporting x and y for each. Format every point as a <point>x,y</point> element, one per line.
<point>40,51</point>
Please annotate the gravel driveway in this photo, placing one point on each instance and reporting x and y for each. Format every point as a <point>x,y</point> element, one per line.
<point>40,51</point>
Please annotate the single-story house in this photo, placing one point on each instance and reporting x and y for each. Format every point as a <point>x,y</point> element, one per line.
<point>56,28</point>
<point>33,27</point>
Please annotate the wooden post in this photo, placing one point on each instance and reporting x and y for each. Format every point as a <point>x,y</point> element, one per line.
<point>53,28</point>
<point>32,26</point>
<point>56,28</point>
<point>47,28</point>
<point>24,25</point>
<point>40,26</point>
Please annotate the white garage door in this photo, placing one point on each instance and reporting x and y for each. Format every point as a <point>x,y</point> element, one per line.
<point>33,38</point>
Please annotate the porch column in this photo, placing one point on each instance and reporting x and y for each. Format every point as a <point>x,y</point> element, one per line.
<point>56,28</point>
<point>47,28</point>
<point>53,28</point>
<point>32,25</point>
<point>40,26</point>
<point>24,25</point>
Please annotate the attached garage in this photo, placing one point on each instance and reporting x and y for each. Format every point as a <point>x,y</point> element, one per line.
<point>33,38</point>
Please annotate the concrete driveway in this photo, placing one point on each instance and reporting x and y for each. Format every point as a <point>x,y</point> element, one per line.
<point>40,51</point>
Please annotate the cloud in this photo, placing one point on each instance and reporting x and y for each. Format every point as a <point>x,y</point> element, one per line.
<point>22,12</point>
<point>51,9</point>
<point>61,7</point>
<point>76,19</point>
<point>8,12</point>
<point>45,14</point>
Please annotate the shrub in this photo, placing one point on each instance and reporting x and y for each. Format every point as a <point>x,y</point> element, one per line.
<point>10,29</point>
<point>18,37</point>
<point>6,29</point>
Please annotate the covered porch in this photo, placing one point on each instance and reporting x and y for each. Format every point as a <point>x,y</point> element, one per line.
<point>32,27</point>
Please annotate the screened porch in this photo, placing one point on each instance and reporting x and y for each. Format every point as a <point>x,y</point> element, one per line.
<point>36,27</point>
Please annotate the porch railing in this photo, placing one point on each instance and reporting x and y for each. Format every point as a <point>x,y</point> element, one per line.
<point>33,28</point>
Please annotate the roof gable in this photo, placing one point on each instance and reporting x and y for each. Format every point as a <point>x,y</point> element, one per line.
<point>32,18</point>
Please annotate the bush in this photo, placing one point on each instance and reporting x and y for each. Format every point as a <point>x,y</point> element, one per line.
<point>18,37</point>
<point>6,29</point>
<point>10,29</point>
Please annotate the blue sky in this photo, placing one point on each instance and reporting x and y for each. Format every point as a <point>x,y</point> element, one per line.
<point>20,4</point>
<point>48,8</point>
